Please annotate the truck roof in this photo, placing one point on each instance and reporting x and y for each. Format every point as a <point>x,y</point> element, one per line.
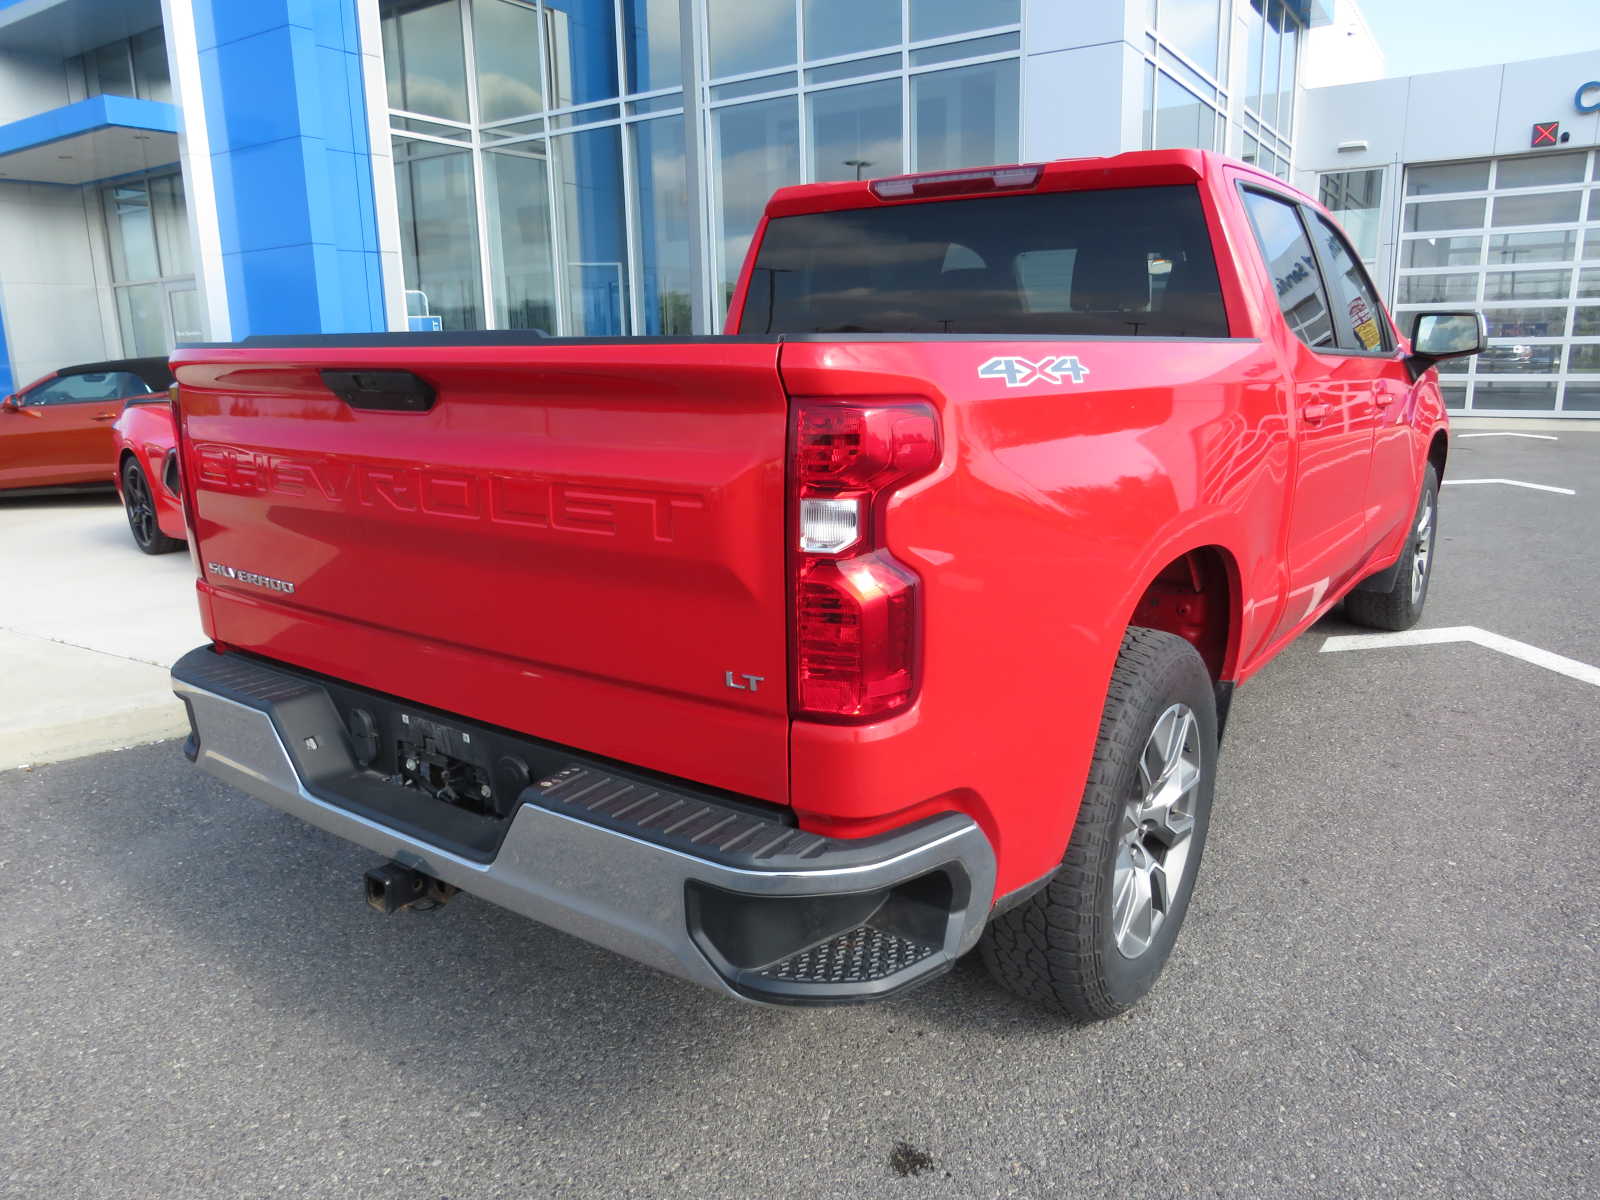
<point>1136,168</point>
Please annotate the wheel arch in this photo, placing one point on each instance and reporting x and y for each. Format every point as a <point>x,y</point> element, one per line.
<point>1196,594</point>
<point>1438,451</point>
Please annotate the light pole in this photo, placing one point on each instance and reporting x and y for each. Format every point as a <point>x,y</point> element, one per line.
<point>858,164</point>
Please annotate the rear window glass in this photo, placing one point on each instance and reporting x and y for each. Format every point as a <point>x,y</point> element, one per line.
<point>1124,261</point>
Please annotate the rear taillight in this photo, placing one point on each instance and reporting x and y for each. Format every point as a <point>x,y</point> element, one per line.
<point>857,610</point>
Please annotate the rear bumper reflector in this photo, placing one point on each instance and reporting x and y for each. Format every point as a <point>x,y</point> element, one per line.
<point>682,880</point>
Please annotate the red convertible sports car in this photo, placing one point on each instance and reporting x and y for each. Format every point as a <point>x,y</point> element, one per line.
<point>146,461</point>
<point>56,432</point>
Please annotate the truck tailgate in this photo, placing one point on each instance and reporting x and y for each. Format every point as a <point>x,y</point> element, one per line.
<point>580,542</point>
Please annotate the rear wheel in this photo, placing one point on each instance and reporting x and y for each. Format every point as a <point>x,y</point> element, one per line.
<point>1401,606</point>
<point>1094,940</point>
<point>140,505</point>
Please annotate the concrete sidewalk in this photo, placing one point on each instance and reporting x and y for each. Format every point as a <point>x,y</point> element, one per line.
<point>88,628</point>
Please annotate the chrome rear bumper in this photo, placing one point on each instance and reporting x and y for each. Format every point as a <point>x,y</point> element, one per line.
<point>673,878</point>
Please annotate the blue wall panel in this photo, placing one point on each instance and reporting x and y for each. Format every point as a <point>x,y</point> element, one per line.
<point>6,381</point>
<point>286,112</point>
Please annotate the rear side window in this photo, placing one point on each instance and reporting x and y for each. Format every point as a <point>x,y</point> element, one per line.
<point>1125,261</point>
<point>80,389</point>
<point>1293,267</point>
<point>1364,326</point>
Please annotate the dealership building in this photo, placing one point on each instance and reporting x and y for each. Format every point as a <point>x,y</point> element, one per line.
<point>176,170</point>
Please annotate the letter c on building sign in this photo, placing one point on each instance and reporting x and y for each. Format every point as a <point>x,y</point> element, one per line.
<point>1588,97</point>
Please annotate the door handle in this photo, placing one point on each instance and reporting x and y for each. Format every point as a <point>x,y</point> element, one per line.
<point>1316,414</point>
<point>1383,397</point>
<point>104,417</point>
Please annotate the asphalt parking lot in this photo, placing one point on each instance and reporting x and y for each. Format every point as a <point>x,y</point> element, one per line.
<point>1386,987</point>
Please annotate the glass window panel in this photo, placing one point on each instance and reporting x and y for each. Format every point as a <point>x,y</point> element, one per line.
<point>1591,243</point>
<point>965,117</point>
<point>586,116</point>
<point>132,232</point>
<point>1444,214</point>
<point>1448,177</point>
<point>113,69</point>
<point>583,51</point>
<point>1354,198</point>
<point>835,27</point>
<point>1252,150</point>
<point>188,321</point>
<point>1149,95</point>
<point>591,224</point>
<point>1514,395</point>
<point>1363,317</point>
<point>1256,32</point>
<point>945,18</point>
<point>423,57</point>
<point>517,197</point>
<point>1188,76</point>
<point>1272,57</point>
<point>172,225</point>
<point>1129,261</point>
<point>1288,72</point>
<point>1442,251</point>
<point>1542,169</point>
<point>1182,118</point>
<point>439,233</point>
<point>1589,283</point>
<point>150,78</point>
<point>1582,397</point>
<point>666,258</point>
<point>1190,28</point>
<point>1526,359</point>
<point>455,133</point>
<point>1526,322</point>
<point>1538,208</point>
<point>1293,267</point>
<point>1453,366</point>
<point>1432,289</point>
<point>1526,285</point>
<point>754,87</point>
<point>505,39</point>
<point>750,35</point>
<point>656,104</point>
<point>855,132</point>
<point>1584,358</point>
<point>1455,395</point>
<point>1586,320</point>
<point>1553,246</point>
<point>976,48</point>
<point>139,314</point>
<point>655,46</point>
<point>757,152</point>
<point>853,69</point>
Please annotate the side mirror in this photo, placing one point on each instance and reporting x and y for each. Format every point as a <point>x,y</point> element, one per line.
<point>1438,335</point>
<point>9,404</point>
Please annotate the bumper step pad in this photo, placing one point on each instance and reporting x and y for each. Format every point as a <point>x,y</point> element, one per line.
<point>861,955</point>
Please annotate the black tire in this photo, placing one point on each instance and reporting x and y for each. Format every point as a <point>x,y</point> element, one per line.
<point>139,504</point>
<point>1401,606</point>
<point>1060,948</point>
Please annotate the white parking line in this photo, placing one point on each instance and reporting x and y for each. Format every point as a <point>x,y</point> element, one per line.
<point>1538,437</point>
<point>1538,487</point>
<point>1559,663</point>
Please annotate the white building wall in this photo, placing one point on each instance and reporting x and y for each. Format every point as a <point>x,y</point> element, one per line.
<point>49,289</point>
<point>30,85</point>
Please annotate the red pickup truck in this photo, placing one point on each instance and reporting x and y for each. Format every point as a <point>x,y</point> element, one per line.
<point>901,619</point>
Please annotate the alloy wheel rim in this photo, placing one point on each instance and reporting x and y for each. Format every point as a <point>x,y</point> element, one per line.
<point>1156,836</point>
<point>1423,552</point>
<point>141,512</point>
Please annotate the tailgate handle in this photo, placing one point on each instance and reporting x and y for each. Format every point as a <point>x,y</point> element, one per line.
<point>381,391</point>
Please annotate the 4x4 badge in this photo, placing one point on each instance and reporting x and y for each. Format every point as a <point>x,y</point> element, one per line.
<point>1020,372</point>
